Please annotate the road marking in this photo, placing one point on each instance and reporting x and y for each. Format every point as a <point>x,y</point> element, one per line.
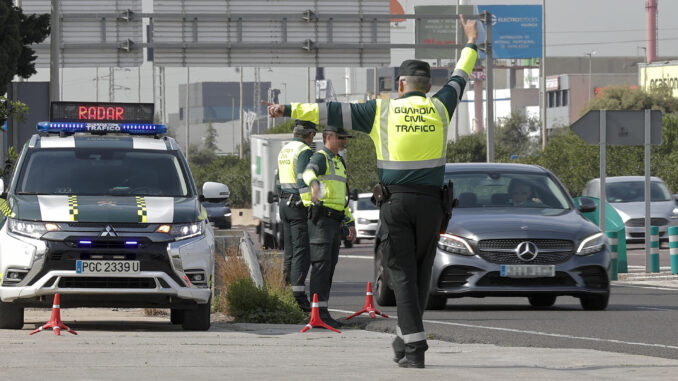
<point>618,284</point>
<point>356,256</point>
<point>653,308</point>
<point>539,333</point>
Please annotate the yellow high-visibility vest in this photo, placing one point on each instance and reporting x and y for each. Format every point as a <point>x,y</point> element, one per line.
<point>410,133</point>
<point>334,182</point>
<point>287,168</point>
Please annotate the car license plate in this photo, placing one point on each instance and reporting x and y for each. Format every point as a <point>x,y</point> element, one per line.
<point>528,271</point>
<point>107,267</point>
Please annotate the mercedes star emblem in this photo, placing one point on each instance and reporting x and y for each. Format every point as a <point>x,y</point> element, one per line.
<point>527,251</point>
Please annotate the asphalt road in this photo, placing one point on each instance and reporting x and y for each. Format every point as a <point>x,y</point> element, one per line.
<point>639,319</point>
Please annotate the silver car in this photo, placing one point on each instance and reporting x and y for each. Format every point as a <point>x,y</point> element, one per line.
<point>627,195</point>
<point>516,232</point>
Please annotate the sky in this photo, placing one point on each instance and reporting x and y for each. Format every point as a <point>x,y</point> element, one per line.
<point>573,28</point>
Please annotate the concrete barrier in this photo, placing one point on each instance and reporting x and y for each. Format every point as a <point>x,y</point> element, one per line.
<point>673,248</point>
<point>614,252</point>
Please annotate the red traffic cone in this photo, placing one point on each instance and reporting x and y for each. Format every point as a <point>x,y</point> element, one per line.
<point>316,321</point>
<point>55,321</point>
<point>369,305</point>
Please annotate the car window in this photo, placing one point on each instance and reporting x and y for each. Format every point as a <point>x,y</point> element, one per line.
<point>365,204</point>
<point>114,172</point>
<point>634,191</point>
<point>506,189</point>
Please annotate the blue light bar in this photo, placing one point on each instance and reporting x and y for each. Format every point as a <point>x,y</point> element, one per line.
<point>131,243</point>
<point>84,243</point>
<point>103,128</point>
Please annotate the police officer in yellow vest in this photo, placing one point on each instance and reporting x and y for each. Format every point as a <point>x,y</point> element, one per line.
<point>410,137</point>
<point>326,175</point>
<point>292,161</point>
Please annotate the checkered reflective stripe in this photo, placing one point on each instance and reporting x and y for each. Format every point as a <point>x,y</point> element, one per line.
<point>142,213</point>
<point>73,208</point>
<point>5,209</point>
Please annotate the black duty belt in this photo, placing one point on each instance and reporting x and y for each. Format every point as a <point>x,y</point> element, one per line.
<point>421,189</point>
<point>331,213</point>
<point>294,196</point>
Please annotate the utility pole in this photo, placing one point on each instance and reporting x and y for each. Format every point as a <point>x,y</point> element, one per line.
<point>542,76</point>
<point>242,152</point>
<point>55,57</point>
<point>187,113</point>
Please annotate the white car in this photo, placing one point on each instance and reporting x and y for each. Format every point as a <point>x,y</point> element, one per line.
<point>366,216</point>
<point>627,195</point>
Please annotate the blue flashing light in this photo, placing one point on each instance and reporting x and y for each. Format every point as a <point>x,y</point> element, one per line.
<point>103,128</point>
<point>85,243</point>
<point>131,243</point>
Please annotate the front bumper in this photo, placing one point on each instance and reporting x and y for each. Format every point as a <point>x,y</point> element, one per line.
<point>162,282</point>
<point>460,276</point>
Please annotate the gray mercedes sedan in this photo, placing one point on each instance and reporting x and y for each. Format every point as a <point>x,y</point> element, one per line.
<point>517,233</point>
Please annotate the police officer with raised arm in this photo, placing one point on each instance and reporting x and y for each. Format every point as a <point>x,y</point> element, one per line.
<point>410,137</point>
<point>326,175</point>
<point>292,161</point>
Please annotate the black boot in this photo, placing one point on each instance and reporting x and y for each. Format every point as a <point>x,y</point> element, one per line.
<point>327,319</point>
<point>303,303</point>
<point>398,349</point>
<point>413,362</point>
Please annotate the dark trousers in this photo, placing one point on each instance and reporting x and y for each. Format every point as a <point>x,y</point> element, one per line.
<point>324,240</point>
<point>409,230</point>
<point>297,252</point>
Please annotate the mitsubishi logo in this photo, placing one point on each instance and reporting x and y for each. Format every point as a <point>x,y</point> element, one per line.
<point>527,251</point>
<point>108,232</point>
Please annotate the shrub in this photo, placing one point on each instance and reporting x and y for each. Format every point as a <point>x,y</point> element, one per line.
<point>247,303</point>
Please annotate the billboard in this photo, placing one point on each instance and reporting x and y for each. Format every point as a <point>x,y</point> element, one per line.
<point>516,30</point>
<point>652,76</point>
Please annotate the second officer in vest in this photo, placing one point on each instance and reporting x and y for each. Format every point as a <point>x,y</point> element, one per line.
<point>326,175</point>
<point>292,161</point>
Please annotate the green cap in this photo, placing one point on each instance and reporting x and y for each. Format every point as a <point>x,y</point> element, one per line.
<point>414,68</point>
<point>339,130</point>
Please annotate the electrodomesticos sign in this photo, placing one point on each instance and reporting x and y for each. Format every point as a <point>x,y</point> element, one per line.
<point>97,112</point>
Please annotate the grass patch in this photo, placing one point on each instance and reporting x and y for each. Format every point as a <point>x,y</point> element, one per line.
<point>238,296</point>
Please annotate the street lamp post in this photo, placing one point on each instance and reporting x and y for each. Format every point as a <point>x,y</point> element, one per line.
<point>590,55</point>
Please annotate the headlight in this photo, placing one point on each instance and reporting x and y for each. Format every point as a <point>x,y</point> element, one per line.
<point>674,214</point>
<point>227,214</point>
<point>182,231</point>
<point>30,228</point>
<point>592,244</point>
<point>455,245</point>
<point>363,221</point>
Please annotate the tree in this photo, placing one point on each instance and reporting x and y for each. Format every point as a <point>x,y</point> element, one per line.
<point>513,136</point>
<point>468,149</point>
<point>17,32</point>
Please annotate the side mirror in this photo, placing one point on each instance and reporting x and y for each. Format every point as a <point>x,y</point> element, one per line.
<point>354,194</point>
<point>586,204</point>
<point>272,197</point>
<point>675,198</point>
<point>215,191</point>
<point>2,186</point>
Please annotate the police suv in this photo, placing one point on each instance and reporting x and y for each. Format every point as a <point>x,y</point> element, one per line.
<point>104,211</point>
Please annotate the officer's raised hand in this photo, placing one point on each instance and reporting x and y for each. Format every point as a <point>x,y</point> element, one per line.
<point>274,110</point>
<point>469,29</point>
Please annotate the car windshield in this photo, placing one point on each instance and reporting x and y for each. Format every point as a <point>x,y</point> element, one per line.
<point>366,204</point>
<point>111,172</point>
<point>634,191</point>
<point>208,204</point>
<point>507,190</point>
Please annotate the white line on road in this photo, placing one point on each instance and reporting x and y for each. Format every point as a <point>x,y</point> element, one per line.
<point>538,333</point>
<point>356,256</point>
<point>620,284</point>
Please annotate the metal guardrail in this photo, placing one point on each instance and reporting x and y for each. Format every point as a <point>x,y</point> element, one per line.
<point>239,239</point>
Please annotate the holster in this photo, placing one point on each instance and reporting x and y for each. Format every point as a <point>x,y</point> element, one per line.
<point>314,212</point>
<point>380,194</point>
<point>448,203</point>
